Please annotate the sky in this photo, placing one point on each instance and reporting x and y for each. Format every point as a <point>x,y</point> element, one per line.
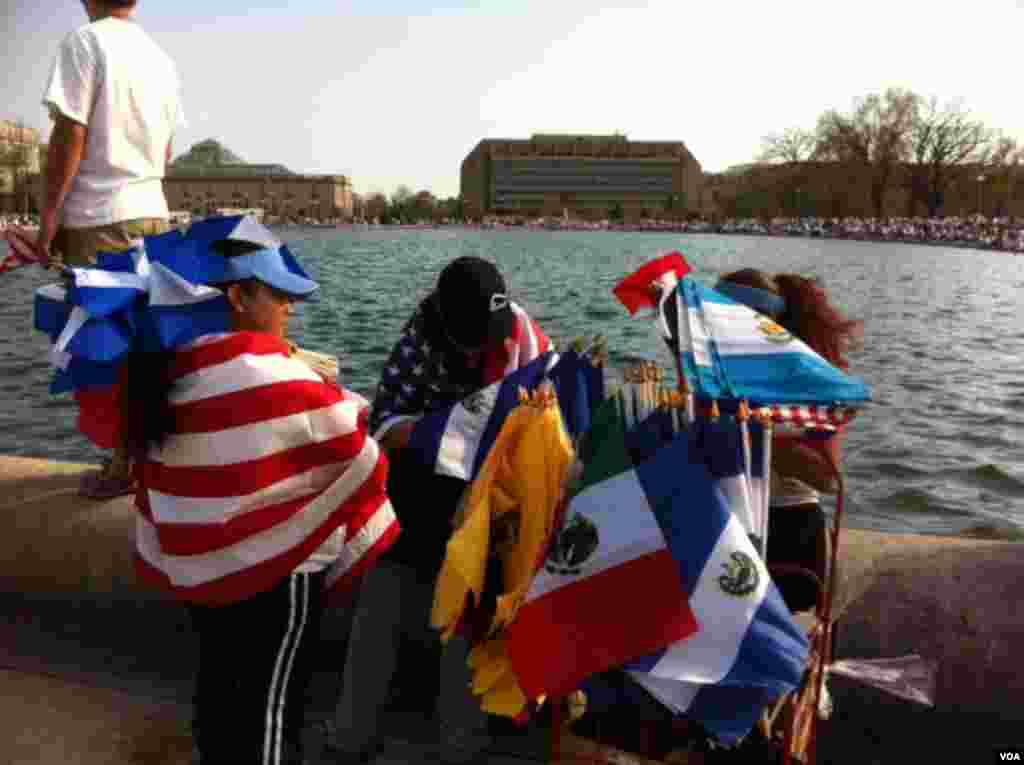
<point>395,92</point>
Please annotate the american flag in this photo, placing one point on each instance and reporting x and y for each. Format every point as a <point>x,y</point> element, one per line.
<point>267,465</point>
<point>23,249</point>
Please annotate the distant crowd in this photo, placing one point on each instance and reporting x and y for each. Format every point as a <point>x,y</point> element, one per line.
<point>977,232</point>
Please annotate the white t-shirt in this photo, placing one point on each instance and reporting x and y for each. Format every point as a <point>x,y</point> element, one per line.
<point>113,78</point>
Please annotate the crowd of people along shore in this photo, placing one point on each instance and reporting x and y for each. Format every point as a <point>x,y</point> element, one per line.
<point>975,232</point>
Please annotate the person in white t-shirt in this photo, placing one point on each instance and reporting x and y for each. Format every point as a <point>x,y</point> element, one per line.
<point>113,95</point>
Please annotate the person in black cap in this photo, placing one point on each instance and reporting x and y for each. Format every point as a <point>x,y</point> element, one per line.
<point>465,335</point>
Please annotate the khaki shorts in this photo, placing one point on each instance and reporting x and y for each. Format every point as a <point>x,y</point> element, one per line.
<point>79,246</point>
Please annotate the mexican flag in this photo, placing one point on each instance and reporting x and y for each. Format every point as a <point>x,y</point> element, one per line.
<point>610,590</point>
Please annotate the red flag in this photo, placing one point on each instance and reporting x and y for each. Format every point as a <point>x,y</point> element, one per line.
<point>23,249</point>
<point>634,291</point>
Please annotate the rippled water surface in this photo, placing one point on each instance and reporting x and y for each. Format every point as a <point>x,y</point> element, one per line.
<point>940,450</point>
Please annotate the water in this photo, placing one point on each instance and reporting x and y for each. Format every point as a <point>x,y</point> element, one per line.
<point>941,450</point>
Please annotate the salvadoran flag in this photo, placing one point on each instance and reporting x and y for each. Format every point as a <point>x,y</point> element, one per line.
<point>731,352</point>
<point>749,649</point>
<point>610,590</point>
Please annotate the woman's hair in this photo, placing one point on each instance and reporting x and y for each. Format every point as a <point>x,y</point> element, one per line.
<point>809,314</point>
<point>146,417</point>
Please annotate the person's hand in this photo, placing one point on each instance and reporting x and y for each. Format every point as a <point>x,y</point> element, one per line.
<point>44,240</point>
<point>398,436</point>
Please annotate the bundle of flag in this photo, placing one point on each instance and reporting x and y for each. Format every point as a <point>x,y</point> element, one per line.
<point>301,466</point>
<point>457,439</point>
<point>665,523</point>
<point>581,614</point>
<point>23,250</point>
<point>155,297</point>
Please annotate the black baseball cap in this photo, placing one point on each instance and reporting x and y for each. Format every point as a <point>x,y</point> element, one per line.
<point>473,301</point>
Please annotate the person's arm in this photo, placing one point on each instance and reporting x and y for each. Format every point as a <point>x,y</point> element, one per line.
<point>794,459</point>
<point>63,158</point>
<point>70,94</point>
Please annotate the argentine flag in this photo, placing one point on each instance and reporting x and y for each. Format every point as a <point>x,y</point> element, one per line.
<point>731,352</point>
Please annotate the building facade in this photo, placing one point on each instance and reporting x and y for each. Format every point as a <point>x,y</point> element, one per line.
<point>210,178</point>
<point>281,197</point>
<point>582,176</point>
<point>19,167</point>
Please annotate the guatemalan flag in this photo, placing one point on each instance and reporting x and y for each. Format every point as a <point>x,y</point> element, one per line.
<point>457,439</point>
<point>731,352</point>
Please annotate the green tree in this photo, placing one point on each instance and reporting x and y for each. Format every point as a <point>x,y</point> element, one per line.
<point>616,214</point>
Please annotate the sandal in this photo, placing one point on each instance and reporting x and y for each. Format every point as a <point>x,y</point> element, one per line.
<point>103,485</point>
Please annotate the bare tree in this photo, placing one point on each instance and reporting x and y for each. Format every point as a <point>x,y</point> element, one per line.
<point>875,136</point>
<point>1004,161</point>
<point>941,140</point>
<point>792,145</point>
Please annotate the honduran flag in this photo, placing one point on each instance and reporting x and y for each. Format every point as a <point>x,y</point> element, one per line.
<point>457,439</point>
<point>749,649</point>
<point>610,590</point>
<point>731,352</point>
<point>266,466</point>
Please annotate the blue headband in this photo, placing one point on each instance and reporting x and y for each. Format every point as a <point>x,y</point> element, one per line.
<point>270,267</point>
<point>760,300</point>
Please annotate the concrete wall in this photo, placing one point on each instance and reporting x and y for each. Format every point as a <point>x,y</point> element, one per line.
<point>956,600</point>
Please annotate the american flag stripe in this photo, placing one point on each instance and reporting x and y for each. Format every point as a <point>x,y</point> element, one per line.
<point>200,507</point>
<point>230,510</point>
<point>304,531</point>
<point>242,373</point>
<point>240,408</point>
<point>205,355</point>
<point>257,440</point>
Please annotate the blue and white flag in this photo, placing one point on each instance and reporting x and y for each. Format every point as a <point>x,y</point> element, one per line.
<point>749,650</point>
<point>457,439</point>
<point>731,352</point>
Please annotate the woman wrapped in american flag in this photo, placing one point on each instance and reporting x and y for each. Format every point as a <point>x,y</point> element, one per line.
<point>260,492</point>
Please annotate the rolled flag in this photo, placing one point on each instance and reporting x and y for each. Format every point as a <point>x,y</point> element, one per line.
<point>457,439</point>
<point>582,614</point>
<point>634,292</point>
<point>23,250</point>
<point>749,650</point>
